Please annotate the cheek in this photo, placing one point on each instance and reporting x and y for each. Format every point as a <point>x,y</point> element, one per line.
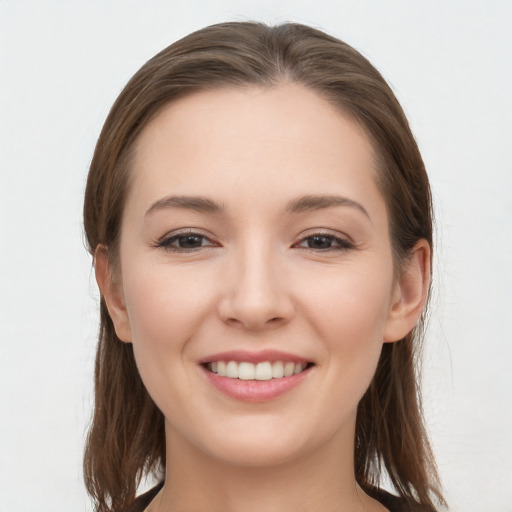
<point>164,305</point>
<point>352,304</point>
<point>349,312</point>
<point>166,308</point>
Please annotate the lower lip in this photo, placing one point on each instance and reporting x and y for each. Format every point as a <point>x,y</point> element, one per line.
<point>255,390</point>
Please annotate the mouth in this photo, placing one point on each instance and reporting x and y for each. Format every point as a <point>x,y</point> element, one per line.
<point>256,376</point>
<point>262,371</point>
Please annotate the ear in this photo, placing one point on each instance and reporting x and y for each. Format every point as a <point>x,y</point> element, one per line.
<point>112,292</point>
<point>410,294</point>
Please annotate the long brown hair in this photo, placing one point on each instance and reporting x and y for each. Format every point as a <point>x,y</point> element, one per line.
<point>126,438</point>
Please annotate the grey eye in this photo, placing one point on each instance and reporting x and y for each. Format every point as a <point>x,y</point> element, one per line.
<point>189,241</point>
<point>325,242</point>
<point>319,242</point>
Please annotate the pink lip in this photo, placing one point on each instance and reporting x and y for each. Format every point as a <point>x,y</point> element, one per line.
<point>255,390</point>
<point>253,357</point>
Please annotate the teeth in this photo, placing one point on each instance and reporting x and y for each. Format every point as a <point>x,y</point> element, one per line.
<point>288,369</point>
<point>232,370</point>
<point>278,370</point>
<point>263,371</point>
<point>245,371</point>
<point>260,371</point>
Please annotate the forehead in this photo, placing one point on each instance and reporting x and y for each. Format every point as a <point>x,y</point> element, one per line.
<point>251,140</point>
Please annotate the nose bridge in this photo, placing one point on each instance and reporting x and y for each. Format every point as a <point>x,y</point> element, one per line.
<point>255,294</point>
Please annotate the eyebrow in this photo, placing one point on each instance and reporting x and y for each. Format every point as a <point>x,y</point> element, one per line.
<point>197,203</point>
<point>298,205</point>
<point>319,202</point>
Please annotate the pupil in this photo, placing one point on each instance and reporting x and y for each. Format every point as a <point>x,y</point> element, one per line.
<point>190,241</point>
<point>319,242</point>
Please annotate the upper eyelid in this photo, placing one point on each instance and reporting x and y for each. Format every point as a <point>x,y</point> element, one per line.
<point>326,233</point>
<point>187,231</point>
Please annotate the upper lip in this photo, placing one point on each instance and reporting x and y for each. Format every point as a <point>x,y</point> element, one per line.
<point>254,357</point>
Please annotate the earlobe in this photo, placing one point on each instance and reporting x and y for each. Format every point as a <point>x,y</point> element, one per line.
<point>410,294</point>
<point>112,294</point>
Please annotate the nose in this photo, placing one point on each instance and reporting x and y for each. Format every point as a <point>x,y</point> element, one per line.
<point>255,293</point>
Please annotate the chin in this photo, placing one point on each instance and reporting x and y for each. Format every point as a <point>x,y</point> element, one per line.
<point>254,455</point>
<point>266,441</point>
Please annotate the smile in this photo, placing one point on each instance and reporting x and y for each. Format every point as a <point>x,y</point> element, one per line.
<point>265,370</point>
<point>255,376</point>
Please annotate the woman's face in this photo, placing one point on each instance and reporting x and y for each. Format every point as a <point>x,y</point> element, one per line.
<point>255,242</point>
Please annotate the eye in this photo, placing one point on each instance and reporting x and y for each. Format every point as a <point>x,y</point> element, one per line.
<point>184,242</point>
<point>325,242</point>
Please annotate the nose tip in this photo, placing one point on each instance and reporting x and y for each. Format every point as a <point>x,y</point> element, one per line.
<point>254,320</point>
<point>256,299</point>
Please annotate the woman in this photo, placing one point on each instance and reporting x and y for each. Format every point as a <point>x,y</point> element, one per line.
<point>260,221</point>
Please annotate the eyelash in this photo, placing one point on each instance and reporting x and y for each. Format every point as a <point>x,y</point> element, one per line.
<point>343,244</point>
<point>166,242</point>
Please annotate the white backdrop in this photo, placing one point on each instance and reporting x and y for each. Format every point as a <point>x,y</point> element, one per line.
<point>61,66</point>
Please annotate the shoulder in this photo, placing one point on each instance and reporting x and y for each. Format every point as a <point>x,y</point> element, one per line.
<point>390,501</point>
<point>395,503</point>
<point>141,502</point>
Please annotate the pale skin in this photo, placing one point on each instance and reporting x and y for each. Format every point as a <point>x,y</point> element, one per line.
<point>284,246</point>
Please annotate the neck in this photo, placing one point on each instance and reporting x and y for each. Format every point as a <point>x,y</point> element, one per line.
<point>321,480</point>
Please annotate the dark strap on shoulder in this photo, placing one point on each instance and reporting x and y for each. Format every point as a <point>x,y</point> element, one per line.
<point>140,503</point>
<point>395,503</point>
<point>391,502</point>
